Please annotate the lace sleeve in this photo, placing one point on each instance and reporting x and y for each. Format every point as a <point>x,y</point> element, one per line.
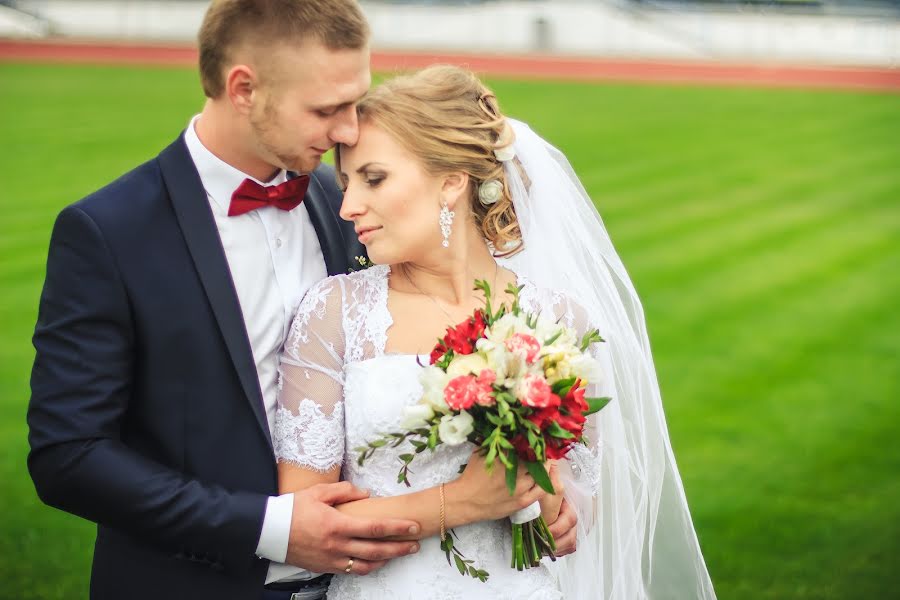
<point>309,421</point>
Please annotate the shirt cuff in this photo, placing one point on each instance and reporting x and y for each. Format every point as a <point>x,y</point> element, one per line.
<point>276,529</point>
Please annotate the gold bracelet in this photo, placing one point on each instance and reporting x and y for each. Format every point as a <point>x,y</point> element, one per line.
<point>443,531</point>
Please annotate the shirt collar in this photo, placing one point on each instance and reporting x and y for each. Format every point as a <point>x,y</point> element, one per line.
<point>219,179</point>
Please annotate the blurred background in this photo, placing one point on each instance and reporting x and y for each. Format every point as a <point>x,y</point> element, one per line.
<point>745,157</point>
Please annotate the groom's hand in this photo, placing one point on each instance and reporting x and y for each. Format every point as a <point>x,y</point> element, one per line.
<point>324,540</point>
<point>564,530</point>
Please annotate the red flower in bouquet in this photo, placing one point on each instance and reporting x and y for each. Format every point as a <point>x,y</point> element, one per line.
<point>461,339</point>
<point>545,416</point>
<point>523,448</point>
<point>574,401</point>
<point>557,448</point>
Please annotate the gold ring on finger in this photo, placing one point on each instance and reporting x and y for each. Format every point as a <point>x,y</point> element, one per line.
<point>349,566</point>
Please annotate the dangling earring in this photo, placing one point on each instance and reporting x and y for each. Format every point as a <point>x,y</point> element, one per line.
<point>446,221</point>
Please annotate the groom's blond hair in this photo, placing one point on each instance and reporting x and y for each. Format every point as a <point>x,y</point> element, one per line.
<point>229,24</point>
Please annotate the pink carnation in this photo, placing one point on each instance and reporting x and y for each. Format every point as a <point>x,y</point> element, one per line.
<point>485,380</point>
<point>524,344</point>
<point>464,391</point>
<point>534,391</point>
<point>487,377</point>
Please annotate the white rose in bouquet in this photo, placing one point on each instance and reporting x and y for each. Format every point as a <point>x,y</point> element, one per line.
<point>454,429</point>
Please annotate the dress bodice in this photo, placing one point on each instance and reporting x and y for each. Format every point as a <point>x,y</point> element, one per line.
<point>375,392</point>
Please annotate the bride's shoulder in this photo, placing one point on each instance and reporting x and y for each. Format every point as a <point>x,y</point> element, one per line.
<point>346,286</point>
<point>556,304</point>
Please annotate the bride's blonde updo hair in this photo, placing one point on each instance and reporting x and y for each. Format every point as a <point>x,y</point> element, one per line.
<point>451,121</point>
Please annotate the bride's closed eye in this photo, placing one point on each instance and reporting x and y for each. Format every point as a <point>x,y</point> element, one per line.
<point>374,179</point>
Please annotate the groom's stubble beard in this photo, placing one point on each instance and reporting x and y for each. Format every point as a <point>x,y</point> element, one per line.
<point>266,128</point>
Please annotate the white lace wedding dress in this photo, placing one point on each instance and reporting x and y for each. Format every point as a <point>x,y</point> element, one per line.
<point>340,389</point>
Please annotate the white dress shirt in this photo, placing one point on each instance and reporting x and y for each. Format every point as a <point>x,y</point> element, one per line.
<point>274,256</point>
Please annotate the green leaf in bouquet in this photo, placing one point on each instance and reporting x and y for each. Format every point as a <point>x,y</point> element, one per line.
<point>433,438</point>
<point>498,315</point>
<point>530,426</point>
<point>589,338</point>
<point>502,405</point>
<point>553,338</point>
<point>494,419</point>
<point>558,432</point>
<point>407,458</point>
<point>514,290</point>
<point>539,474</point>
<point>460,565</point>
<point>491,455</point>
<point>447,546</point>
<point>562,387</point>
<point>446,359</point>
<point>506,398</point>
<point>595,404</point>
<point>512,469</point>
<point>485,287</point>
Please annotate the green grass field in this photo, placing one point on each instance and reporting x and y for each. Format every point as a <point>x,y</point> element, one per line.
<point>761,228</point>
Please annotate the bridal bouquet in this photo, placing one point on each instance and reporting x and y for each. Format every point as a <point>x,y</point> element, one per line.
<point>514,384</point>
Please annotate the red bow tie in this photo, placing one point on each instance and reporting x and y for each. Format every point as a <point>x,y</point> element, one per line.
<point>251,195</point>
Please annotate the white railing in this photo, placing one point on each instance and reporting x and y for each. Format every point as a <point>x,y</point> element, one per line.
<point>558,26</point>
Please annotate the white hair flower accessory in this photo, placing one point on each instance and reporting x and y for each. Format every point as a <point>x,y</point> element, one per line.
<point>505,154</point>
<point>490,191</point>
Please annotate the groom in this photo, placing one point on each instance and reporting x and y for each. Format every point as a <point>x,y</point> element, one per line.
<point>168,295</point>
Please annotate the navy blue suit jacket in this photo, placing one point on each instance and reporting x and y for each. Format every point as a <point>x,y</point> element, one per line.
<point>146,415</point>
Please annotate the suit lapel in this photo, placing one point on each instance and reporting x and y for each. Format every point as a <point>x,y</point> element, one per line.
<point>328,229</point>
<point>202,236</point>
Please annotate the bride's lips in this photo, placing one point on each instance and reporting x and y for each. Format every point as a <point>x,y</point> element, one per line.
<point>365,233</point>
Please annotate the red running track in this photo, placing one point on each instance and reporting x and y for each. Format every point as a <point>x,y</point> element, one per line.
<point>536,66</point>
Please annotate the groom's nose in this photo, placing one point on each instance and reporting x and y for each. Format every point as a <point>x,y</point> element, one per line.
<point>346,127</point>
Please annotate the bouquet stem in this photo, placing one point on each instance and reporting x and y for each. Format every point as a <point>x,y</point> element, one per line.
<point>531,542</point>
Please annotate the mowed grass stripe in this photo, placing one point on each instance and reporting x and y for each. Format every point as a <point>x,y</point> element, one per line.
<point>769,328</point>
<point>749,285</point>
<point>759,164</point>
<point>681,217</point>
<point>704,252</point>
<point>748,162</point>
<point>738,152</point>
<point>775,222</point>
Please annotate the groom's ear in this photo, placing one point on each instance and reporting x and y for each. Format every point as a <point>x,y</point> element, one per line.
<point>455,187</point>
<point>240,86</point>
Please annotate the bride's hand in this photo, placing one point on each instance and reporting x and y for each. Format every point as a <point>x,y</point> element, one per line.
<point>551,503</point>
<point>483,496</point>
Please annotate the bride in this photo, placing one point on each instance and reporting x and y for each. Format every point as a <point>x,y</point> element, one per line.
<point>443,190</point>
